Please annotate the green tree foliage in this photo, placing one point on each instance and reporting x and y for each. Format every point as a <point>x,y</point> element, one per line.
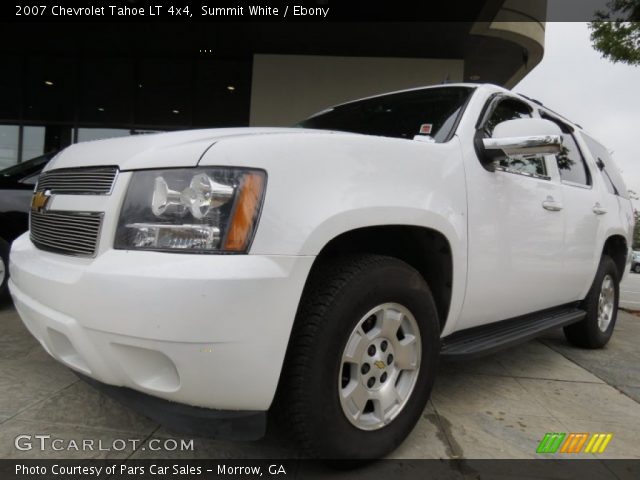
<point>616,32</point>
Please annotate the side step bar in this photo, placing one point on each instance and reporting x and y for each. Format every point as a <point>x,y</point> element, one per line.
<point>486,339</point>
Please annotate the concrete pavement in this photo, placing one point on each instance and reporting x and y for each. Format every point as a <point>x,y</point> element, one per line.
<point>630,291</point>
<point>496,407</point>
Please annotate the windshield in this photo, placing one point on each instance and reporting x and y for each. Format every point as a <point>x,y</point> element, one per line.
<point>431,112</point>
<point>28,167</point>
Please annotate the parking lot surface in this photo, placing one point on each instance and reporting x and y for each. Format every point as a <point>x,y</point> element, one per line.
<point>500,406</point>
<point>630,291</point>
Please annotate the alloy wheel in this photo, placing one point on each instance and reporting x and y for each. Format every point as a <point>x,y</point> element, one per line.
<point>606,303</point>
<point>380,366</point>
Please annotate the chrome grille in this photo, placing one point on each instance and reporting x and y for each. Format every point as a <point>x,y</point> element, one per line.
<point>68,233</point>
<point>78,181</point>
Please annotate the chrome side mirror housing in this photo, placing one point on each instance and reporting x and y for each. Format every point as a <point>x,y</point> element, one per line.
<point>523,137</point>
<point>533,145</point>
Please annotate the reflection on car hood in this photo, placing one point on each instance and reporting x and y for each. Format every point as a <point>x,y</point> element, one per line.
<point>159,150</point>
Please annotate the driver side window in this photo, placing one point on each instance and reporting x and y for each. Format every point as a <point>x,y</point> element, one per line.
<point>512,109</point>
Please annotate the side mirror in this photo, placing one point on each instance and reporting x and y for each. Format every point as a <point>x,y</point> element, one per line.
<point>523,136</point>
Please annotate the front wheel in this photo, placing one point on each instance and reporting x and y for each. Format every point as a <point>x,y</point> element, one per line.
<point>636,268</point>
<point>362,358</point>
<point>601,306</point>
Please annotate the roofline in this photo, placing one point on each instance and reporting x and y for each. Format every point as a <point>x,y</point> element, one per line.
<point>471,85</point>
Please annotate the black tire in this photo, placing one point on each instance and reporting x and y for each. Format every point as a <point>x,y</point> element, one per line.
<point>636,268</point>
<point>337,296</point>
<point>587,333</point>
<point>4,267</point>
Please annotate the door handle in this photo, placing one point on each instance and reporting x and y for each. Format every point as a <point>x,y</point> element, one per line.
<point>551,205</point>
<point>598,209</point>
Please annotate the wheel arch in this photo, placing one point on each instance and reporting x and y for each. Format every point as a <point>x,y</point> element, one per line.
<point>427,250</point>
<point>616,247</point>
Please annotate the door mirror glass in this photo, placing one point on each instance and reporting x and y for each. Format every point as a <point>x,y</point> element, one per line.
<point>524,136</point>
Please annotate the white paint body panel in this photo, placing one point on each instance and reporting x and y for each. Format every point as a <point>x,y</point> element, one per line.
<point>217,326</point>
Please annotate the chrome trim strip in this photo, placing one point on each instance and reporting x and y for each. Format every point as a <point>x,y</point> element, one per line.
<point>72,242</point>
<point>102,176</point>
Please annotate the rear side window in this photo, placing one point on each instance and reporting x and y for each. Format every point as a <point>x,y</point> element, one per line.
<point>610,173</point>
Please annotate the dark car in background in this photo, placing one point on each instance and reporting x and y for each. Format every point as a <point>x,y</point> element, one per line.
<point>16,187</point>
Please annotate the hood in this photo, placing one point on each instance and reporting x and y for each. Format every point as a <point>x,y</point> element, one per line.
<point>156,150</point>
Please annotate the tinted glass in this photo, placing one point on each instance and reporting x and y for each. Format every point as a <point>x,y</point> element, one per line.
<point>570,162</point>
<point>507,109</point>
<point>511,109</point>
<point>611,174</point>
<point>529,165</point>
<point>430,112</point>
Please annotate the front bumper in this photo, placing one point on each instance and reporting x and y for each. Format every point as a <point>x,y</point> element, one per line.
<point>204,330</point>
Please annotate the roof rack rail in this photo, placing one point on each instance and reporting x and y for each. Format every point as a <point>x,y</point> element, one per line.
<point>533,100</point>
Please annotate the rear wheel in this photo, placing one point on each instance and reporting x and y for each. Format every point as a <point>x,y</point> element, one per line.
<point>361,359</point>
<point>4,268</point>
<point>601,306</point>
<point>636,268</point>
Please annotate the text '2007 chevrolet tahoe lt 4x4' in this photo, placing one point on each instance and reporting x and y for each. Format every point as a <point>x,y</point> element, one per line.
<point>210,276</point>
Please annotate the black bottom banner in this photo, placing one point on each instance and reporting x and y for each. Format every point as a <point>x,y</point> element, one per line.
<point>583,469</point>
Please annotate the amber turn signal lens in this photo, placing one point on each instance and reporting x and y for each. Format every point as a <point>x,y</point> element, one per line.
<point>245,213</point>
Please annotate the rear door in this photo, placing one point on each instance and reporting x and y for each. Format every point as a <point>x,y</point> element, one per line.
<point>617,211</point>
<point>584,207</point>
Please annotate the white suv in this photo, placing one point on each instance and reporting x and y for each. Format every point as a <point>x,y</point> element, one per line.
<point>209,276</point>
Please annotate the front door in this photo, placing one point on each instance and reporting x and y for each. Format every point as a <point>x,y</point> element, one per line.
<point>516,230</point>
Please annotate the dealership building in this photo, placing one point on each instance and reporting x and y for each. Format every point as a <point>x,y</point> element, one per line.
<point>72,82</point>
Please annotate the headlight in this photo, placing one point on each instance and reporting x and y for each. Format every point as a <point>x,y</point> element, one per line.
<point>191,209</point>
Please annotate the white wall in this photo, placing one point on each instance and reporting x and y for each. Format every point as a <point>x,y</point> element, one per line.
<point>289,88</point>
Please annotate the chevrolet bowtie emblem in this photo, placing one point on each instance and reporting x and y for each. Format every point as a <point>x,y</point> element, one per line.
<point>379,364</point>
<point>40,200</point>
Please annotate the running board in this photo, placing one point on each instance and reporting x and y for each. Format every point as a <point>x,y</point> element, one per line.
<point>486,339</point>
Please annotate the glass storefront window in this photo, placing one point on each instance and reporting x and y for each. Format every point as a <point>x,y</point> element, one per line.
<point>49,97</point>
<point>11,87</point>
<point>164,93</point>
<point>107,91</point>
<point>32,142</point>
<point>88,134</point>
<point>50,89</point>
<point>8,145</point>
<point>222,88</point>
